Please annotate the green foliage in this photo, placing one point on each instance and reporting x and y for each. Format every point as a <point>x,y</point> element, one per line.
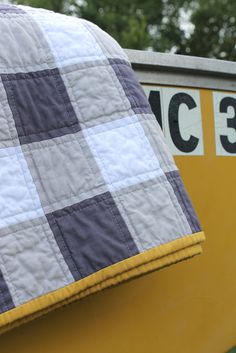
<point>158,24</point>
<point>215,30</point>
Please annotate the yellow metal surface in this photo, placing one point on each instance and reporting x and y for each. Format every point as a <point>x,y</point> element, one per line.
<point>186,308</point>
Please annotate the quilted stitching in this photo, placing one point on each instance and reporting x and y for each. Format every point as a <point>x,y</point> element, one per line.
<point>86,177</point>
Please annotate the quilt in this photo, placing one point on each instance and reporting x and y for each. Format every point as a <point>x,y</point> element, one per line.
<point>90,195</point>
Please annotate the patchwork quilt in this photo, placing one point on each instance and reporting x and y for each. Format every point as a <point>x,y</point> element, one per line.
<point>89,193</point>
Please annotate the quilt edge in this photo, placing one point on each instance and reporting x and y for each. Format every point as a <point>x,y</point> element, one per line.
<point>156,258</point>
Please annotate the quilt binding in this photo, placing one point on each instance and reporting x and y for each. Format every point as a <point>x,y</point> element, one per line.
<point>147,261</point>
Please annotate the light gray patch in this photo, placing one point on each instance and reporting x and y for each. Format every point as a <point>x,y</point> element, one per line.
<point>23,47</point>
<point>95,92</point>
<point>152,213</point>
<point>8,133</point>
<point>108,44</point>
<point>64,171</point>
<point>157,140</point>
<point>31,261</point>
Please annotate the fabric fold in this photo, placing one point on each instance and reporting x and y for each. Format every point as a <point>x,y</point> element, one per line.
<point>153,259</point>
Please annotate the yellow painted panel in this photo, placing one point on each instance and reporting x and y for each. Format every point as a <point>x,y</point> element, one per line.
<point>186,308</point>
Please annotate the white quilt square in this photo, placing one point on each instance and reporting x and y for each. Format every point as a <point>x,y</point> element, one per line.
<point>123,152</point>
<point>19,200</point>
<point>69,39</point>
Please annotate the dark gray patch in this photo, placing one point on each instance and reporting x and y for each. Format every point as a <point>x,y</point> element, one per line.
<point>92,235</point>
<point>6,302</point>
<point>175,180</point>
<point>40,105</point>
<point>131,86</point>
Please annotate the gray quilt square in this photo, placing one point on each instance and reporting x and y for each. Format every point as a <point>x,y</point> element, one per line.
<point>64,171</point>
<point>152,213</point>
<point>31,261</point>
<point>24,49</point>
<point>40,105</point>
<point>131,86</point>
<point>92,235</point>
<point>95,92</point>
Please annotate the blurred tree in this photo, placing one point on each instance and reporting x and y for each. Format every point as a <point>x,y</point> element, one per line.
<point>214,33</point>
<point>190,27</point>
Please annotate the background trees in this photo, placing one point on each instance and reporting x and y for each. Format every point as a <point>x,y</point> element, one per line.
<point>190,27</point>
